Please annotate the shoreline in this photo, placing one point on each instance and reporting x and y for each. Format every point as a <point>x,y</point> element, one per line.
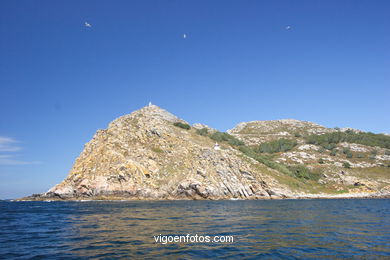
<point>295,197</point>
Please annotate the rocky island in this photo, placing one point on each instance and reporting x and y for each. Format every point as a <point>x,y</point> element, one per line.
<point>152,154</point>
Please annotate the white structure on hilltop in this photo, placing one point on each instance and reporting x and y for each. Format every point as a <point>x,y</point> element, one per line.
<point>150,104</point>
<point>216,147</point>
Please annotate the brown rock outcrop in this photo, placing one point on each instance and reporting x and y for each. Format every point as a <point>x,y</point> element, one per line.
<point>144,156</point>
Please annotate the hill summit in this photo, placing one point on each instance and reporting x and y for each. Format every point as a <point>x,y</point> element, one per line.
<point>153,154</point>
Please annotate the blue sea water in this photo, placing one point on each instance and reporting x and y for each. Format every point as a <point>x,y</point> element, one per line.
<point>285,229</point>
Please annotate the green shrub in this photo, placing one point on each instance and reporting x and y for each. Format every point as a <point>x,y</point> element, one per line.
<point>387,152</point>
<point>328,146</point>
<point>280,145</point>
<point>235,141</point>
<point>219,137</point>
<point>299,171</point>
<point>321,149</point>
<point>349,136</point>
<point>182,125</point>
<point>333,153</point>
<point>321,161</point>
<point>346,150</point>
<point>302,172</point>
<point>349,154</point>
<point>296,134</point>
<point>262,159</point>
<point>225,137</point>
<point>346,165</point>
<point>157,150</point>
<point>203,131</point>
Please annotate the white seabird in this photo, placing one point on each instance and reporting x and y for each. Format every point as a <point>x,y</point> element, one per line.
<point>87,24</point>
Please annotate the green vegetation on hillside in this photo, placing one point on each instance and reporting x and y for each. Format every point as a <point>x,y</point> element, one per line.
<point>225,137</point>
<point>297,134</point>
<point>203,131</point>
<point>302,172</point>
<point>182,125</point>
<point>329,140</point>
<point>298,171</point>
<point>157,150</point>
<point>280,145</point>
<point>346,165</point>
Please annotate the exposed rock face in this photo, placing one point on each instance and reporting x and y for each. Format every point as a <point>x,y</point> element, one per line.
<point>142,155</point>
<point>256,132</point>
<point>201,126</point>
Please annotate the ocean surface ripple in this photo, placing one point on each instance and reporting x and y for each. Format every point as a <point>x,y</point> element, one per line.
<point>274,229</point>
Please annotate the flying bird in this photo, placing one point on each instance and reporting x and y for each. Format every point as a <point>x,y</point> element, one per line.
<point>87,25</point>
<point>184,36</point>
<point>288,27</point>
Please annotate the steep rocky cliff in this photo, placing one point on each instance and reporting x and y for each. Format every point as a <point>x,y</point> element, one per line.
<point>143,155</point>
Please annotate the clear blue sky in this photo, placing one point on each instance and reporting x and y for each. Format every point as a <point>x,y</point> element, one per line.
<point>60,81</point>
